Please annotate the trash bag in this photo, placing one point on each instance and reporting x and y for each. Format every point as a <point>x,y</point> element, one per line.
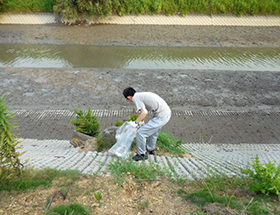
<point>124,136</point>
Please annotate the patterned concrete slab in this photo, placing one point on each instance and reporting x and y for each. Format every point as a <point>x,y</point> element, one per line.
<point>54,150</point>
<point>191,19</point>
<point>233,127</point>
<point>205,159</point>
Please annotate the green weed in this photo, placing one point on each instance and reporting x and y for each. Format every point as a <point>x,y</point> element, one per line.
<point>105,142</point>
<point>64,191</point>
<point>266,177</point>
<point>139,170</point>
<point>167,143</point>
<point>98,195</point>
<point>143,204</point>
<point>132,117</point>
<point>118,123</point>
<point>48,204</point>
<point>71,209</point>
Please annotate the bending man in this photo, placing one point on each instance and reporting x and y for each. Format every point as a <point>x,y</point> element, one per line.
<point>147,102</point>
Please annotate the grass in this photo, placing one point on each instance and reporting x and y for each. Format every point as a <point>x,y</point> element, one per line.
<point>71,209</point>
<point>72,11</point>
<point>231,193</point>
<point>139,170</point>
<point>168,144</point>
<point>27,5</point>
<point>31,179</point>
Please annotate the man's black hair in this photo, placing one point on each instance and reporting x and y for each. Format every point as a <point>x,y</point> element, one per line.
<point>128,92</point>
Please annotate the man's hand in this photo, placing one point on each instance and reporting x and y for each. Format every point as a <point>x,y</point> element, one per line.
<point>133,124</point>
<point>141,123</point>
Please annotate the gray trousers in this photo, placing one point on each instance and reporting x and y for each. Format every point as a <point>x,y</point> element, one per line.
<point>150,131</point>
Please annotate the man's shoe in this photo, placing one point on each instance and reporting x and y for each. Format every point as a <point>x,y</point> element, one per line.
<point>152,152</point>
<point>138,157</point>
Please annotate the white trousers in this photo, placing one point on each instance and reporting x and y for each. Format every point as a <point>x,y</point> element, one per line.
<point>150,131</point>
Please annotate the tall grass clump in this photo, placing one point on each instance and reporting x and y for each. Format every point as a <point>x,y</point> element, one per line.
<point>139,170</point>
<point>167,143</point>
<point>10,165</point>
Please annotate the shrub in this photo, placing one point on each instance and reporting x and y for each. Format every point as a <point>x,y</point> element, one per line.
<point>73,12</point>
<point>1,6</point>
<point>266,177</point>
<point>9,158</point>
<point>86,123</point>
<point>68,9</point>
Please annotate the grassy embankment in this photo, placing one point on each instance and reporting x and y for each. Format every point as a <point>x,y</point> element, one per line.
<point>66,192</point>
<point>71,10</point>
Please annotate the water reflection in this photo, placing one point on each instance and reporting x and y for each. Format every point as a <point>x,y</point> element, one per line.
<point>81,56</point>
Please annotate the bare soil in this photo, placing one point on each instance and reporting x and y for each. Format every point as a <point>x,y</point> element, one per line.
<point>132,197</point>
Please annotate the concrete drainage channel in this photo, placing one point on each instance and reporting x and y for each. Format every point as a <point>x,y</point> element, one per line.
<point>203,159</point>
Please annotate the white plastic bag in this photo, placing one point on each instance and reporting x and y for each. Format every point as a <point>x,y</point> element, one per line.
<point>124,136</point>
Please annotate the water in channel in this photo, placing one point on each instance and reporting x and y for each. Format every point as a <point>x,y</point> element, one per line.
<point>131,57</point>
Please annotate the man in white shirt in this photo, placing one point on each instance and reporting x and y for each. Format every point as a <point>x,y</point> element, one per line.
<point>147,102</point>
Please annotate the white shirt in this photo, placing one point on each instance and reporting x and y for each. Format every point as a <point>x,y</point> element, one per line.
<point>152,102</point>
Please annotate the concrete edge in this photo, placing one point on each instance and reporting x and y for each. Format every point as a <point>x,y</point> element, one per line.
<point>192,19</point>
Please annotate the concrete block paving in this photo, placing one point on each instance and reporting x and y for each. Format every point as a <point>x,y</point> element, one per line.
<point>205,159</point>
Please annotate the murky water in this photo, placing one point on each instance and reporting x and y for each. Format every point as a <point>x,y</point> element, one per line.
<point>82,56</point>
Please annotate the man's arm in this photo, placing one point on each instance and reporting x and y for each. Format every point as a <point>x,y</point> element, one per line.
<point>142,116</point>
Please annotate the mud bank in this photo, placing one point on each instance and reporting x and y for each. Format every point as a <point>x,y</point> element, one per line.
<point>28,88</point>
<point>142,35</point>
